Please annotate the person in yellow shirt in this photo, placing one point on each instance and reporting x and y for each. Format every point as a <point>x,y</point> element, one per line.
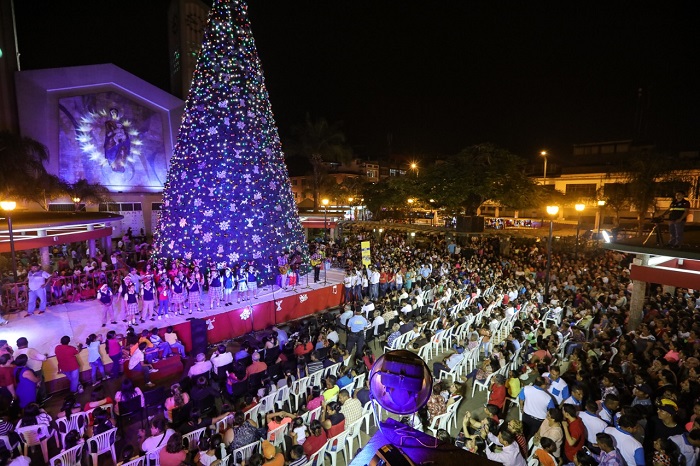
<point>332,389</point>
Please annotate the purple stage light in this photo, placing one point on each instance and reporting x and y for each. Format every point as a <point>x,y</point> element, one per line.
<point>400,382</point>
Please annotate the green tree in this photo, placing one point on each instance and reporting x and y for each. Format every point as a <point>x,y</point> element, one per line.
<point>47,188</point>
<point>645,172</point>
<point>390,196</point>
<point>463,182</point>
<point>321,143</point>
<point>22,160</point>
<point>88,193</point>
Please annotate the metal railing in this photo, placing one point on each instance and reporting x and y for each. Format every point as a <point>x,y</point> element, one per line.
<point>61,289</point>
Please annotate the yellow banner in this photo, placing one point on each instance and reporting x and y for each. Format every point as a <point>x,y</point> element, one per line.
<point>366,256</point>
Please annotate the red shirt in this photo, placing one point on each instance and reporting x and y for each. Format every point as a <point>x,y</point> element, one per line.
<point>498,395</point>
<point>313,443</point>
<point>66,357</point>
<point>6,378</point>
<point>300,350</point>
<point>577,431</point>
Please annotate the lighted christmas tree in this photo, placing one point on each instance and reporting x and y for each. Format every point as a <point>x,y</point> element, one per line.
<point>228,197</point>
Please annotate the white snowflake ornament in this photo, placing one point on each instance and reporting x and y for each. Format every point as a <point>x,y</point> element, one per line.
<point>206,237</point>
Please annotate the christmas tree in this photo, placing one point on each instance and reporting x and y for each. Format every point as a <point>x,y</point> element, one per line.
<point>228,197</point>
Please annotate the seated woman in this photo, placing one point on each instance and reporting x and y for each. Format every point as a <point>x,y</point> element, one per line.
<point>127,392</point>
<point>178,399</point>
<point>332,419</point>
<point>35,416</point>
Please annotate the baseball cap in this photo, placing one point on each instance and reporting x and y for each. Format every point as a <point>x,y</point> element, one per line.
<point>669,409</point>
<point>645,388</point>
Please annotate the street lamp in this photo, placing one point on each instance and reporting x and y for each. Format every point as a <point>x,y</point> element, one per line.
<point>8,207</point>
<point>552,210</point>
<point>325,220</point>
<point>410,209</point>
<point>414,167</point>
<point>579,208</point>
<point>76,201</point>
<point>601,206</point>
<point>544,177</point>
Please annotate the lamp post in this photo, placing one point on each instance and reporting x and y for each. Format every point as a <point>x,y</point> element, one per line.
<point>579,208</point>
<point>76,202</point>
<point>353,212</point>
<point>544,177</point>
<point>8,207</point>
<point>410,209</point>
<point>414,167</point>
<point>552,210</point>
<point>601,206</point>
<point>325,220</point>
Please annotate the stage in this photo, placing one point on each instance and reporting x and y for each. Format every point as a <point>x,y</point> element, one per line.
<point>78,320</point>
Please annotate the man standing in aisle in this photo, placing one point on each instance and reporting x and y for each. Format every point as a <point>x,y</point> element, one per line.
<point>356,332</point>
<point>36,279</point>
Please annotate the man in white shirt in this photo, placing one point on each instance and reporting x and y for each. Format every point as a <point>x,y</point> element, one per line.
<point>374,283</point>
<point>628,446</point>
<point>367,307</point>
<point>333,336</point>
<point>36,280</point>
<point>510,454</point>
<point>594,425</point>
<point>407,309</point>
<point>220,358</point>
<point>378,320</point>
<point>202,366</point>
<point>419,299</point>
<point>688,444</point>
<point>347,313</point>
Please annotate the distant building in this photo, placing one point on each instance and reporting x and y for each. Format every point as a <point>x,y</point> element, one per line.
<point>186,22</point>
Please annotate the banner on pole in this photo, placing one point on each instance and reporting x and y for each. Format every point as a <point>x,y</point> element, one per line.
<point>366,256</point>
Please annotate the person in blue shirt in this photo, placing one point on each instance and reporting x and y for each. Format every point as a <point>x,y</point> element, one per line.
<point>356,331</point>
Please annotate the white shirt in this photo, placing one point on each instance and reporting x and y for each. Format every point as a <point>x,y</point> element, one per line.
<point>594,425</point>
<point>151,443</point>
<point>510,456</point>
<point>536,401</point>
<point>345,316</point>
<point>219,360</point>
<point>379,320</point>
<point>690,452</point>
<point>419,300</point>
<point>37,279</point>
<point>333,336</point>
<point>628,446</point>
<point>135,359</point>
<point>199,368</point>
<point>34,358</point>
<point>367,308</point>
<point>407,308</point>
<point>374,278</point>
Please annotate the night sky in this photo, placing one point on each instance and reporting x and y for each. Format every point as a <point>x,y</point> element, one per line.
<point>438,76</point>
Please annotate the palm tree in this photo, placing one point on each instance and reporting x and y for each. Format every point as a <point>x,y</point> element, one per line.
<point>22,161</point>
<point>89,193</point>
<point>320,142</point>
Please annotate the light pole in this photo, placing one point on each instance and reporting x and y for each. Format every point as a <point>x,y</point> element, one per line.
<point>601,206</point>
<point>410,209</point>
<point>325,220</point>
<point>552,210</point>
<point>544,177</point>
<point>76,202</point>
<point>353,212</point>
<point>579,208</point>
<point>414,167</point>
<point>8,207</point>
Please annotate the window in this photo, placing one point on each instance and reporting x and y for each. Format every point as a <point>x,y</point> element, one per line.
<point>156,206</point>
<point>63,207</point>
<point>581,190</point>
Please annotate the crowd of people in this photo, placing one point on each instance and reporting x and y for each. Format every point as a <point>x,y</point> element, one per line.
<point>590,391</point>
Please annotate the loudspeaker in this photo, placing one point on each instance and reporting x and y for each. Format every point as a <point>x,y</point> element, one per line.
<point>463,223</point>
<point>470,224</point>
<point>477,224</point>
<point>198,329</point>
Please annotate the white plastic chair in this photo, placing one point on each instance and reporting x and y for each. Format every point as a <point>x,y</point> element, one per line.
<point>276,436</point>
<point>298,391</point>
<point>140,461</point>
<point>452,411</point>
<point>482,385</point>
<point>153,456</point>
<point>102,443</point>
<point>224,461</point>
<point>193,438</point>
<point>222,424</point>
<point>312,415</point>
<point>282,398</point>
<point>339,441</point>
<point>359,383</point>
<point>77,421</point>
<point>439,422</point>
<point>267,404</point>
<point>5,440</point>
<point>354,433</point>
<point>252,413</point>
<point>33,436</point>
<point>314,459</point>
<point>245,452</point>
<point>70,457</point>
<point>315,379</point>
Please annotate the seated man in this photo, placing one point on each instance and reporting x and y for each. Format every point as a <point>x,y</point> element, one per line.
<point>175,344</point>
<point>162,346</point>
<point>449,362</point>
<point>202,366</point>
<point>257,366</point>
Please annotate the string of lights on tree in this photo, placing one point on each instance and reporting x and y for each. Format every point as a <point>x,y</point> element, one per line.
<point>228,197</point>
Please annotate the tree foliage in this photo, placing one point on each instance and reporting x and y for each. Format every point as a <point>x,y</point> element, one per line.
<point>321,143</point>
<point>22,160</point>
<point>463,182</point>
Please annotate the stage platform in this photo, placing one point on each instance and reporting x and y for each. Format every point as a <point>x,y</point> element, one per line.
<point>78,320</point>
